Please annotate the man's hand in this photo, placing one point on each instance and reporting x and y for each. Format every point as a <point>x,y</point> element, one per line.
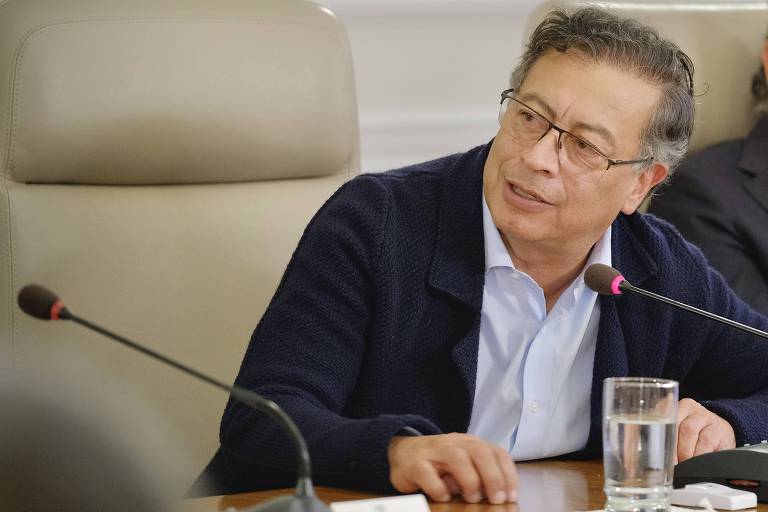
<point>700,431</point>
<point>447,464</point>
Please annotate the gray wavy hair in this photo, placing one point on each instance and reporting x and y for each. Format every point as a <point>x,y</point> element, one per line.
<point>760,88</point>
<point>601,36</point>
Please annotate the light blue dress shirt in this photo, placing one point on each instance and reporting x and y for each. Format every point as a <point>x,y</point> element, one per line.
<point>534,370</point>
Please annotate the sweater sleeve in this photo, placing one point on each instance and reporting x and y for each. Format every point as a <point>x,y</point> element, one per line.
<point>307,350</point>
<point>732,367</point>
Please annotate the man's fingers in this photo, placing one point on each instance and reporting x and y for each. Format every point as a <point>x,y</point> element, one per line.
<point>491,474</point>
<point>457,462</point>
<point>425,477</point>
<point>447,464</point>
<point>728,441</point>
<point>684,409</point>
<point>510,473</point>
<point>708,440</point>
<point>479,470</point>
<point>700,431</point>
<point>688,437</point>
<point>453,487</point>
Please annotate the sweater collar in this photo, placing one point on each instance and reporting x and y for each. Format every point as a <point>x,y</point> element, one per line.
<point>628,254</point>
<point>458,267</point>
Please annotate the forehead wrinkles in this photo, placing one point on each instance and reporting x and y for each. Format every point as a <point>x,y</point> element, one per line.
<point>593,93</point>
<point>563,110</point>
<point>545,81</point>
<point>559,115</point>
<point>545,106</point>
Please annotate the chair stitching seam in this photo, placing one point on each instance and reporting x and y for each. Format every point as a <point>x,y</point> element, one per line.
<point>10,253</point>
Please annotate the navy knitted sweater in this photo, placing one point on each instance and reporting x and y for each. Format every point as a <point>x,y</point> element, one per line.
<point>375,327</point>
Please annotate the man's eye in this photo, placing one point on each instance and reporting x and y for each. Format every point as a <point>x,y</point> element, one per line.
<point>527,116</point>
<point>585,147</point>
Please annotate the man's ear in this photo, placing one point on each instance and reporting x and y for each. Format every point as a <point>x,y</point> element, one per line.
<point>646,180</point>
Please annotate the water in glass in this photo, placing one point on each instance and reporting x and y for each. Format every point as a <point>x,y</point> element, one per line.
<point>638,454</point>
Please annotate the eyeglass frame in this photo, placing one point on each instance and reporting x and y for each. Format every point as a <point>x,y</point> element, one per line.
<point>507,94</point>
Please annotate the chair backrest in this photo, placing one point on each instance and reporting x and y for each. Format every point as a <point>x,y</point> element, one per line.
<point>723,39</point>
<point>159,160</point>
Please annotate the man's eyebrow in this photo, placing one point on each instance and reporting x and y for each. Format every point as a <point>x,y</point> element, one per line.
<point>597,129</point>
<point>541,104</point>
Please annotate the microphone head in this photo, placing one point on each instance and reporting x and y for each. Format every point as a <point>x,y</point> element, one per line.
<point>603,279</point>
<point>40,302</point>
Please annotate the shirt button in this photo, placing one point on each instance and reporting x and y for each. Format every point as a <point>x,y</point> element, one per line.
<point>534,407</point>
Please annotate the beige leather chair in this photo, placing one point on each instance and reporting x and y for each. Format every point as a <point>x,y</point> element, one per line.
<point>160,159</point>
<point>723,39</point>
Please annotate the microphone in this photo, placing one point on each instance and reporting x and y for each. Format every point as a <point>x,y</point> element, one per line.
<point>607,280</point>
<point>42,303</point>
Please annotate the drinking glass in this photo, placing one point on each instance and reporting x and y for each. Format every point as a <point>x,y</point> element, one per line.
<point>639,423</point>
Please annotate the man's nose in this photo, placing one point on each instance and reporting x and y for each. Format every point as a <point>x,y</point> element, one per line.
<point>544,154</point>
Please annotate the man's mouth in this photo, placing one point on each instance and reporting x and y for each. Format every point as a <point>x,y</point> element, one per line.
<point>527,194</point>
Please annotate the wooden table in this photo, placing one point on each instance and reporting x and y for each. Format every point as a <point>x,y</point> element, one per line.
<point>544,487</point>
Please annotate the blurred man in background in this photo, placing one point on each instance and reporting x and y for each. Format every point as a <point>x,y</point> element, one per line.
<point>718,199</point>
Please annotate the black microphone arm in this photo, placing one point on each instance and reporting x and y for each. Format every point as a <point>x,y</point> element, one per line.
<point>34,300</point>
<point>628,287</point>
<point>606,280</point>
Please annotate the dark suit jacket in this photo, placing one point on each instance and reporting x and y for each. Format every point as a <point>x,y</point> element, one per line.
<point>375,327</point>
<point>718,199</point>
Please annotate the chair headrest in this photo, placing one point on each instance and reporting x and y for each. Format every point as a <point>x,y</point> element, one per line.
<point>174,91</point>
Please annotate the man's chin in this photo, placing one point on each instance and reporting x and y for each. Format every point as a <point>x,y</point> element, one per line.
<point>526,232</point>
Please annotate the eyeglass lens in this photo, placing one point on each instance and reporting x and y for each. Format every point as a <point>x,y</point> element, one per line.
<point>528,127</point>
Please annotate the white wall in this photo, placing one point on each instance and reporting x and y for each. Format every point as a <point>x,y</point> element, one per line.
<point>429,72</point>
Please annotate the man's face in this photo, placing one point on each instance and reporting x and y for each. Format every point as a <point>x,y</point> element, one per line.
<point>604,106</point>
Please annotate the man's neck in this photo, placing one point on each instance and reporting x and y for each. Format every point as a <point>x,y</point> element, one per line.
<point>552,269</point>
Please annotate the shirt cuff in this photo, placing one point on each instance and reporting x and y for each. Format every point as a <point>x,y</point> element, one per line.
<point>408,431</point>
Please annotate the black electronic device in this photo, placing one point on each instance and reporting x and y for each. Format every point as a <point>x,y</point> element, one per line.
<point>744,468</point>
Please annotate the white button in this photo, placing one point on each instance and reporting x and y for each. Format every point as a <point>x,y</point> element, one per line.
<point>534,407</point>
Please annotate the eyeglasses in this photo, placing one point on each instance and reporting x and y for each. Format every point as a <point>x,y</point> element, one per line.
<point>528,127</point>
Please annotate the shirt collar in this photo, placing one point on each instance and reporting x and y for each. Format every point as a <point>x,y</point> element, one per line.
<point>496,254</point>
<point>600,253</point>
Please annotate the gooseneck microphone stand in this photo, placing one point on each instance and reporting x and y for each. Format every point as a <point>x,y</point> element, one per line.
<point>45,305</point>
<point>626,286</point>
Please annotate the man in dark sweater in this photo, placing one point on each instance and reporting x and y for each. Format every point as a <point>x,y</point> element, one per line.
<point>718,200</point>
<point>433,323</point>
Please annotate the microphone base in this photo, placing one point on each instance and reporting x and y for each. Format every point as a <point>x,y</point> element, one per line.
<point>292,504</point>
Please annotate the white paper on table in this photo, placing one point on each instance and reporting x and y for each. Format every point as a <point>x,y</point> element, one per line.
<point>409,503</point>
<point>674,509</point>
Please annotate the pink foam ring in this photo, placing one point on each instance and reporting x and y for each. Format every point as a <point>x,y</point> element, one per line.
<point>615,284</point>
